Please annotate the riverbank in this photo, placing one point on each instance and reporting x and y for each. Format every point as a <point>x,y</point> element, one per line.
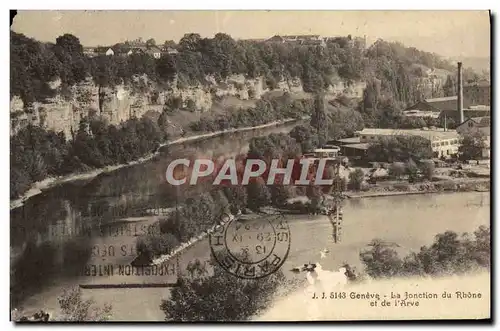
<point>391,219</point>
<point>47,183</point>
<point>404,188</point>
<point>400,189</point>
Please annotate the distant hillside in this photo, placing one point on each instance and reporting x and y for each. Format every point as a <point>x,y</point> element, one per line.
<point>478,64</point>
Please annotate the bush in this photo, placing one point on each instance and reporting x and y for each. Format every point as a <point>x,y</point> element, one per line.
<point>428,170</point>
<point>397,169</point>
<point>220,297</point>
<point>381,260</point>
<point>258,195</point>
<point>356,178</point>
<point>411,170</point>
<point>449,254</point>
<point>75,309</point>
<point>154,245</point>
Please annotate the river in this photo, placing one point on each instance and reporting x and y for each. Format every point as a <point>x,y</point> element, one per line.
<point>50,254</point>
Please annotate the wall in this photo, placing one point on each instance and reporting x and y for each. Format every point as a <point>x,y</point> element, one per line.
<point>477,94</point>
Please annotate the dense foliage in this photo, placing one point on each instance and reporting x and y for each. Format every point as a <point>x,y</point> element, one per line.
<point>388,68</point>
<point>449,254</point>
<point>74,308</point>
<point>220,296</point>
<point>472,146</point>
<point>36,154</point>
<point>266,110</point>
<point>399,149</point>
<point>34,64</point>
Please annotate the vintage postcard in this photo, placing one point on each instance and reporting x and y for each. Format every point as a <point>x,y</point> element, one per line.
<point>250,166</point>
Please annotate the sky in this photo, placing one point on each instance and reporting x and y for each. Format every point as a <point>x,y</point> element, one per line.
<point>448,33</point>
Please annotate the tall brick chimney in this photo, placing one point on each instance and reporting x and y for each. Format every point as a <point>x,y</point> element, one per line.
<point>460,93</point>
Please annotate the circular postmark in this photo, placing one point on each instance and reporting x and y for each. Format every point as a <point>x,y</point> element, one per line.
<point>251,246</point>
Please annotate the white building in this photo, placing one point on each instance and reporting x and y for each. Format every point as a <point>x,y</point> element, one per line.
<point>110,52</point>
<point>421,113</point>
<point>474,124</point>
<point>327,152</point>
<point>443,143</point>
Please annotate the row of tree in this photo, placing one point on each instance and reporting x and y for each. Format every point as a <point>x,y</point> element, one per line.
<point>448,254</point>
<point>36,154</point>
<point>34,64</point>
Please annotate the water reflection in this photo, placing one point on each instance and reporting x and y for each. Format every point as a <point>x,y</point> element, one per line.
<point>49,234</point>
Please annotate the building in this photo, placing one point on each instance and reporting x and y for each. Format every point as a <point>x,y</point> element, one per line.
<point>109,52</point>
<point>434,107</point>
<point>470,112</point>
<point>170,51</point>
<point>136,50</point>
<point>154,51</point>
<point>474,124</point>
<point>443,143</point>
<point>89,51</point>
<point>327,152</point>
<point>352,148</point>
<point>421,113</point>
<point>299,39</point>
<point>478,93</point>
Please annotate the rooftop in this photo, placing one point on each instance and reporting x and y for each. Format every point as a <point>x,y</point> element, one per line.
<point>326,150</point>
<point>482,121</point>
<point>428,134</point>
<point>352,140</point>
<point>441,99</point>
<point>479,107</point>
<point>362,146</point>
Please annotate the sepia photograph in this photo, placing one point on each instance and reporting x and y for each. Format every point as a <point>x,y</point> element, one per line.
<point>250,165</point>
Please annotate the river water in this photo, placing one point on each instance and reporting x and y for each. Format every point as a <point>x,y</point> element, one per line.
<point>49,252</point>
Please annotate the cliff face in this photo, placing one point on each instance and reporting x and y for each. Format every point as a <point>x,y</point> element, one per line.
<point>123,102</point>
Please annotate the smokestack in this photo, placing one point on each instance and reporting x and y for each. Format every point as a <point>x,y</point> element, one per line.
<point>460,93</point>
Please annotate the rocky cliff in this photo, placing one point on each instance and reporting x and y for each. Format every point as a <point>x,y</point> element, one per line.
<point>122,102</point>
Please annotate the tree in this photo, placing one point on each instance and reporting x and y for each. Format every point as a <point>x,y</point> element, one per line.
<point>219,297</point>
<point>169,43</point>
<point>381,260</point>
<point>399,148</point>
<point>448,254</point>
<point>305,136</point>
<point>449,87</point>
<point>190,42</point>
<point>371,94</point>
<point>75,309</point>
<point>397,169</point>
<point>153,245</point>
<point>472,146</point>
<point>411,170</point>
<point>315,196</point>
<point>428,169</point>
<point>258,194</point>
<point>150,42</point>
<point>344,123</point>
<point>280,194</point>
<point>237,196</point>
<point>356,179</point>
<point>70,44</point>
<point>319,119</point>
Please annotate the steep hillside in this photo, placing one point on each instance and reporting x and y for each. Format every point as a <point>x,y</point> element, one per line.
<point>55,86</point>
